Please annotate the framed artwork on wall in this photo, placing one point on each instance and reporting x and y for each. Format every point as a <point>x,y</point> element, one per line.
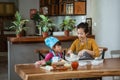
<point>32,12</point>
<point>80,7</point>
<point>89,21</point>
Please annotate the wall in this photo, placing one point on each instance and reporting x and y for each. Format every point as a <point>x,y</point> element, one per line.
<point>57,20</point>
<point>24,8</point>
<point>105,14</point>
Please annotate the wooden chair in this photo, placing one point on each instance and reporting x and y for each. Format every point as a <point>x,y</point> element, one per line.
<point>102,51</point>
<point>42,52</point>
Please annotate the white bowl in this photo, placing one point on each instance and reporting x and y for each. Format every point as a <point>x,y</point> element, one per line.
<point>97,61</point>
<point>82,63</point>
<point>72,58</point>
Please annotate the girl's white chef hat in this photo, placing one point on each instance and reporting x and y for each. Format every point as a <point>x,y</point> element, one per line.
<point>51,41</point>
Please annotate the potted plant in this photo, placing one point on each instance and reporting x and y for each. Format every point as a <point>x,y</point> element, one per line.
<point>19,24</point>
<point>45,24</point>
<point>67,25</point>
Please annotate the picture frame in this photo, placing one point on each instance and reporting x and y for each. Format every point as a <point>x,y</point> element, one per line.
<point>32,12</point>
<point>80,8</point>
<point>89,21</point>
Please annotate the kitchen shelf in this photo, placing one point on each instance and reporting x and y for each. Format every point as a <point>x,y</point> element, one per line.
<point>62,7</point>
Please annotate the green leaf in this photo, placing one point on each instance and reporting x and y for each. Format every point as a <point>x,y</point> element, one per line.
<point>68,23</point>
<point>18,23</point>
<point>45,23</point>
<point>45,29</point>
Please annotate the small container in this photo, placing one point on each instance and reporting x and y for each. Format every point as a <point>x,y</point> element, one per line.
<point>68,65</point>
<point>88,65</point>
<point>75,65</point>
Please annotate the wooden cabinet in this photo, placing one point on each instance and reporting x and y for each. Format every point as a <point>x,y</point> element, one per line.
<point>3,42</point>
<point>63,7</point>
<point>5,32</point>
<point>10,9</point>
<point>7,9</point>
<point>2,9</point>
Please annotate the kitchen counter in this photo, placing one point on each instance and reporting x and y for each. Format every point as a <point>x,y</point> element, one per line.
<point>39,39</point>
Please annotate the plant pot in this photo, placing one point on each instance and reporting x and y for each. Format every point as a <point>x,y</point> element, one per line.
<point>20,34</point>
<point>45,34</point>
<point>67,32</point>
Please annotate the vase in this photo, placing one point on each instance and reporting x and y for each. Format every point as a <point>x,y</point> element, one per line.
<point>20,34</point>
<point>45,34</point>
<point>66,32</point>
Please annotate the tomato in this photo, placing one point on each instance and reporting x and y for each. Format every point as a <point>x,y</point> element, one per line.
<point>74,65</point>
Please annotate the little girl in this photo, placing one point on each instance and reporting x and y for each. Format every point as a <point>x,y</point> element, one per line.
<point>55,53</point>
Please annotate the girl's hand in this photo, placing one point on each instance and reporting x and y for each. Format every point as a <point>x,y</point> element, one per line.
<point>39,63</point>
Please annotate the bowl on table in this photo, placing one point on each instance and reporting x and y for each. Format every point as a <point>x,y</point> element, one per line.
<point>72,57</point>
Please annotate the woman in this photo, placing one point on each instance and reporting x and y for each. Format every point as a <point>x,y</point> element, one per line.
<point>85,47</point>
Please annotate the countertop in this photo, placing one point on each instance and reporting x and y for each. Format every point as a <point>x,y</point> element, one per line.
<point>40,39</point>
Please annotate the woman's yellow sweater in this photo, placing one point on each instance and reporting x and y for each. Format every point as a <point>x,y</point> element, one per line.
<point>90,45</point>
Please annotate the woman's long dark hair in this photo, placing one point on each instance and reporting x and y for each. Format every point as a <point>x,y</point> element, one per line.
<point>84,26</point>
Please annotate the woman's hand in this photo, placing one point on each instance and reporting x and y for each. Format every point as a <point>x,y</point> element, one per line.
<point>69,52</point>
<point>80,53</point>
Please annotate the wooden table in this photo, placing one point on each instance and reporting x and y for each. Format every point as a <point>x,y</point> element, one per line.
<point>110,67</point>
